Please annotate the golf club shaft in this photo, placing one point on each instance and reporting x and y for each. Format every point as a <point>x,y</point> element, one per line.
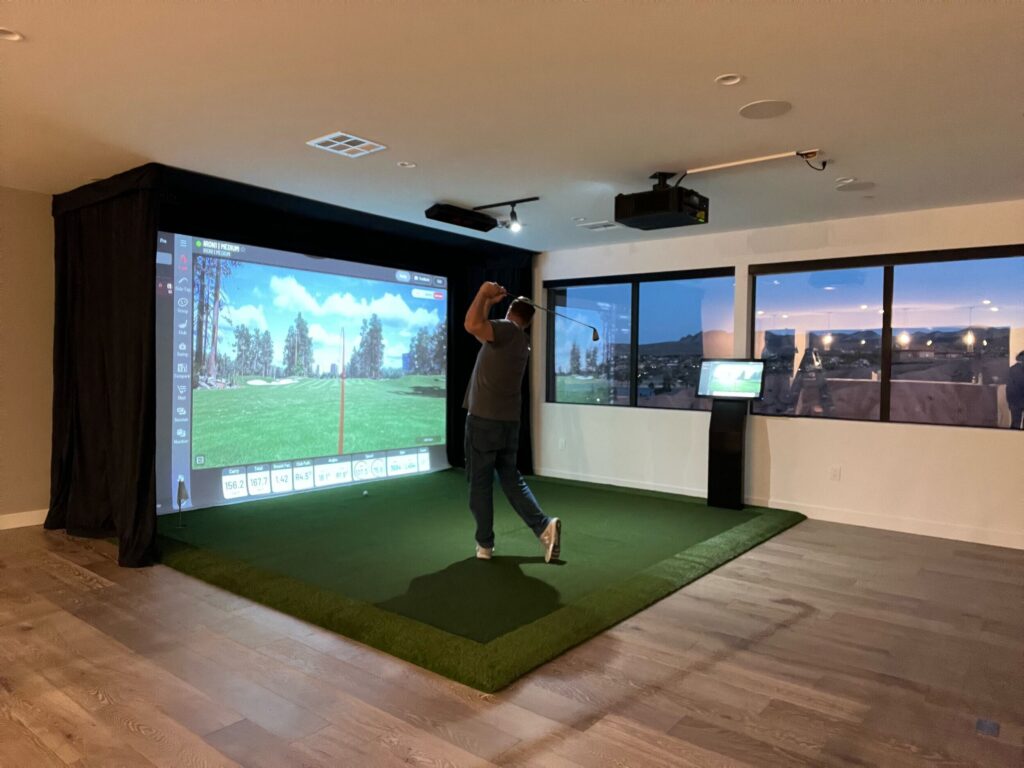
<point>559,314</point>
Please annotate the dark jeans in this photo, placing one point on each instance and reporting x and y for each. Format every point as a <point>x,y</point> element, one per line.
<point>491,448</point>
<point>1016,417</point>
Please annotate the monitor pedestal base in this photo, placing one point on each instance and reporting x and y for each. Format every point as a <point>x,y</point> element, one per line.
<point>725,453</point>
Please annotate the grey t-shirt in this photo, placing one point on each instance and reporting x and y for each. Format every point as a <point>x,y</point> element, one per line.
<point>495,387</point>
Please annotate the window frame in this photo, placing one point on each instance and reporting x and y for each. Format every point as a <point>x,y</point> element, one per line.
<point>633,280</point>
<point>888,263</point>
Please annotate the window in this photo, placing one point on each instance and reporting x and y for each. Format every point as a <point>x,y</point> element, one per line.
<point>586,371</point>
<point>820,335</point>
<point>653,330</point>
<point>930,338</point>
<point>681,322</point>
<point>957,329</point>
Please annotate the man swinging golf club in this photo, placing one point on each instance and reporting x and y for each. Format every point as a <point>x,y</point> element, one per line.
<point>493,400</point>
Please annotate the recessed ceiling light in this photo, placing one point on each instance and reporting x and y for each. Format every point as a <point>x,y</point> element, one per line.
<point>765,109</point>
<point>730,78</point>
<point>845,179</point>
<point>994,309</point>
<point>863,306</point>
<point>830,287</point>
<point>346,144</point>
<point>785,317</point>
<point>405,164</point>
<point>11,35</point>
<point>855,186</point>
<point>986,302</point>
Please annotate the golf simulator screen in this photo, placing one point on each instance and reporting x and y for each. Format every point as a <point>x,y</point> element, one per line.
<point>731,379</point>
<point>279,373</point>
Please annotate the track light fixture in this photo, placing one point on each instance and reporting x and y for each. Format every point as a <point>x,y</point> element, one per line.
<point>513,224</point>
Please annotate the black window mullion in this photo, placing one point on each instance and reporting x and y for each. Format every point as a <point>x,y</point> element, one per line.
<point>634,342</point>
<point>885,397</point>
<point>550,344</point>
<point>752,314</point>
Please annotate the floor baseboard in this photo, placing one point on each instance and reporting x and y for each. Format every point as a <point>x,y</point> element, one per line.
<point>22,519</point>
<point>919,526</point>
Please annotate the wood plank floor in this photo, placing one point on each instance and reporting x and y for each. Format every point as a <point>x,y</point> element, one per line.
<point>829,645</point>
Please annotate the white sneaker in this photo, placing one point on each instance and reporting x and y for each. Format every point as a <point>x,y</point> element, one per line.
<point>551,540</point>
<point>484,553</point>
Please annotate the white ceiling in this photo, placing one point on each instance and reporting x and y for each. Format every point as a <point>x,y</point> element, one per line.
<point>571,101</point>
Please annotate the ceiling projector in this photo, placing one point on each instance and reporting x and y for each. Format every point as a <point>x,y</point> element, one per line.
<point>662,207</point>
<point>461,217</point>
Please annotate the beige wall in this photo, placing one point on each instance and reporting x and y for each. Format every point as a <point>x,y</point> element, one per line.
<point>955,482</point>
<point>26,355</point>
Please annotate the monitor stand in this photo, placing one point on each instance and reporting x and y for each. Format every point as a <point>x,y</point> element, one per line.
<point>725,453</point>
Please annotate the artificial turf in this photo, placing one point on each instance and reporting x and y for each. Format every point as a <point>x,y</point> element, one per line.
<point>396,569</point>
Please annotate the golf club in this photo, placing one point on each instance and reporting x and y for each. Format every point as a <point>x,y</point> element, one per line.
<point>596,335</point>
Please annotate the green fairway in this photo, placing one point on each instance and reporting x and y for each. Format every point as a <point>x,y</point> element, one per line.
<point>251,423</point>
<point>396,569</point>
<point>575,389</point>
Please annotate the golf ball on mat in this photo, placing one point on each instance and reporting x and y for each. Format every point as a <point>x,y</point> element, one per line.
<point>366,493</point>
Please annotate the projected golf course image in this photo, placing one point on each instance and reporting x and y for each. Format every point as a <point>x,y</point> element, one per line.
<point>292,364</point>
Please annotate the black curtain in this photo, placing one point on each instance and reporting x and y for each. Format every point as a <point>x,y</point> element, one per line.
<point>102,470</point>
<point>102,479</point>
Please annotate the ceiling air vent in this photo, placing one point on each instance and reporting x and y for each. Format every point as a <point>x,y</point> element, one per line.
<point>346,145</point>
<point>597,226</point>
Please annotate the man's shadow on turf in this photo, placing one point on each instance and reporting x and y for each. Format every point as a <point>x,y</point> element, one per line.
<point>478,599</point>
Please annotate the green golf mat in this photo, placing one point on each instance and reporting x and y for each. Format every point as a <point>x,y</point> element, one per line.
<point>396,569</point>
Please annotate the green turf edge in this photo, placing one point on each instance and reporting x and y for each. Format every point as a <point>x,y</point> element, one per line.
<point>486,667</point>
<point>554,634</point>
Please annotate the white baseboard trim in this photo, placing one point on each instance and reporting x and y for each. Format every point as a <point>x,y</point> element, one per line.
<point>22,519</point>
<point>916,525</point>
<point>919,526</point>
<point>603,480</point>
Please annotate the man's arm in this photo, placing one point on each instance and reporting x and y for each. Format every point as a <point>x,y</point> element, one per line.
<point>476,316</point>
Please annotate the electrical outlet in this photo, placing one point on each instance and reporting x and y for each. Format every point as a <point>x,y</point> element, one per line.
<point>835,473</point>
<point>561,443</point>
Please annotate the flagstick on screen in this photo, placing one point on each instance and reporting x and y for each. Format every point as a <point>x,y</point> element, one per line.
<point>341,405</point>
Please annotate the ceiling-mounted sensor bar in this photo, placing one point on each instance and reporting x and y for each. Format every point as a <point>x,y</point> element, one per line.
<point>805,154</point>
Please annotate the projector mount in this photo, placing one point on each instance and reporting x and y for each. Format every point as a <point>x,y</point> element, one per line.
<point>662,177</point>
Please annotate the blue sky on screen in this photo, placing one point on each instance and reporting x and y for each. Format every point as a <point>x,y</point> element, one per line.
<point>270,298</point>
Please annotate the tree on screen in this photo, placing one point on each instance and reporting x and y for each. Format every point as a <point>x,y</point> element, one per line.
<point>421,353</point>
<point>440,348</point>
<point>367,360</point>
<point>243,349</point>
<point>265,354</point>
<point>574,359</point>
<point>592,360</point>
<point>209,300</point>
<point>298,349</point>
